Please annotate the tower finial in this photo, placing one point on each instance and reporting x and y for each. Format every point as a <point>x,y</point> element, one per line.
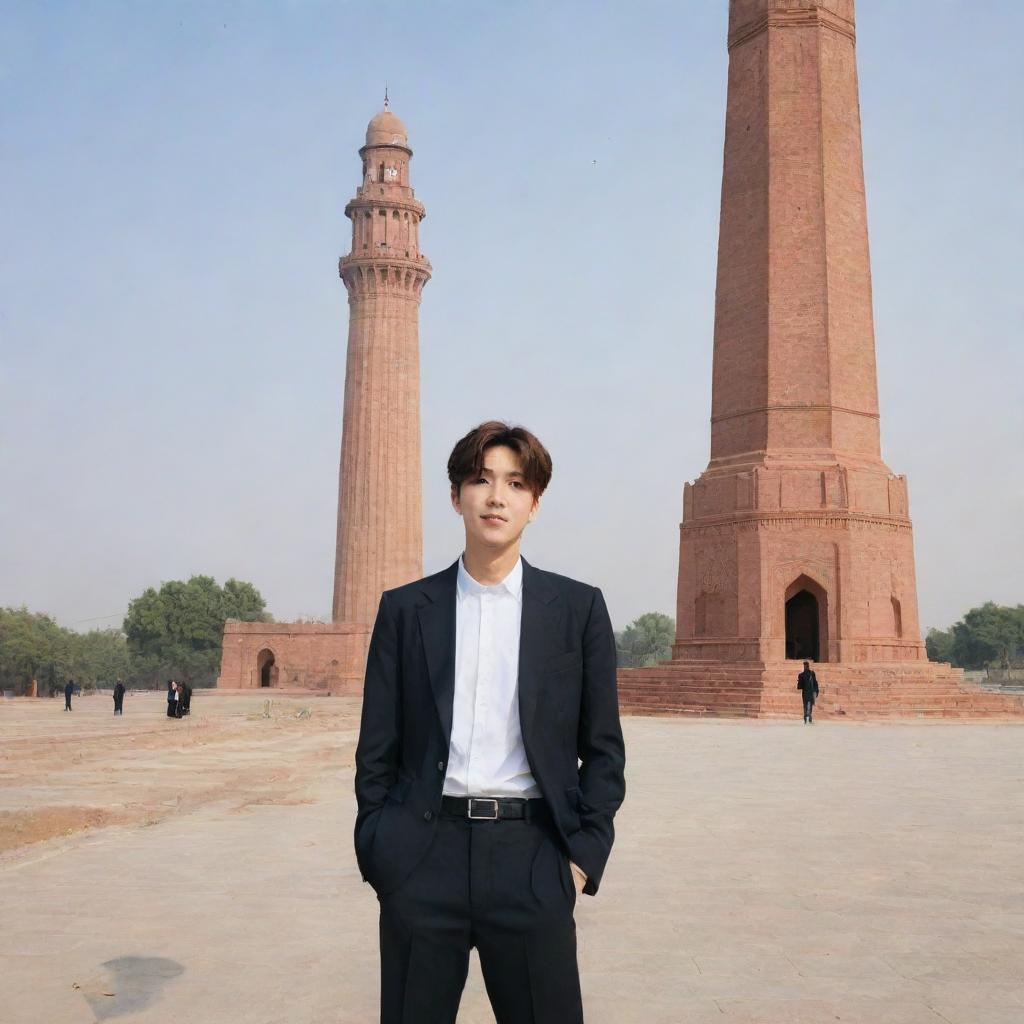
<point>387,102</point>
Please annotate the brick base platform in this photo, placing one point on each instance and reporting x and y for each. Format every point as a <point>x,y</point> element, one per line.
<point>755,690</point>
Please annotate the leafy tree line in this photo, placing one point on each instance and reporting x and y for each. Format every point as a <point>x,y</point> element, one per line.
<point>645,640</point>
<point>989,636</point>
<point>173,631</point>
<point>33,646</point>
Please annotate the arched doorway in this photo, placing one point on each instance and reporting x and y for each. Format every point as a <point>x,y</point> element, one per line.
<point>266,668</point>
<point>802,640</point>
<point>806,621</point>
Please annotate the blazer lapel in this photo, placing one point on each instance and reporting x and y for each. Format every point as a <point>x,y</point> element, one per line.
<point>437,629</point>
<point>537,634</point>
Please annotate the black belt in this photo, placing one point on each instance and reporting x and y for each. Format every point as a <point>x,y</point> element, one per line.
<point>486,808</point>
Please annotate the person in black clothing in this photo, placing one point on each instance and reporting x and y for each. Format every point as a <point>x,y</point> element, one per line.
<point>807,681</point>
<point>118,698</point>
<point>69,689</point>
<point>170,698</point>
<point>186,698</point>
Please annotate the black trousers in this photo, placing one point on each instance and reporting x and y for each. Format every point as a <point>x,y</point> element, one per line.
<point>504,887</point>
<point>67,702</point>
<point>808,708</point>
<point>118,710</point>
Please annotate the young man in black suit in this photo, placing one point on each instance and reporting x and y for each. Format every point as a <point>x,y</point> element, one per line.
<point>490,758</point>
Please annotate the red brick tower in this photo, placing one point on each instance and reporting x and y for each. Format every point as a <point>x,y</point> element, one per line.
<point>380,529</point>
<point>796,540</point>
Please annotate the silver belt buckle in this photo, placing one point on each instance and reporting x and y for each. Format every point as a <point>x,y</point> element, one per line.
<point>482,800</point>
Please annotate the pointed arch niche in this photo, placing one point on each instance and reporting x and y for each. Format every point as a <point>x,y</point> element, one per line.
<point>806,618</point>
<point>266,668</point>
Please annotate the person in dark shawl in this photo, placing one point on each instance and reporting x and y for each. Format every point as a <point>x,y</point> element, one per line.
<point>807,682</point>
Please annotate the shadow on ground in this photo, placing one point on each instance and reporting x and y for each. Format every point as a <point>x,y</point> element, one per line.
<point>128,984</point>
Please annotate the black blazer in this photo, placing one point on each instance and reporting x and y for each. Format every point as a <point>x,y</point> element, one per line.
<point>568,711</point>
<point>808,682</point>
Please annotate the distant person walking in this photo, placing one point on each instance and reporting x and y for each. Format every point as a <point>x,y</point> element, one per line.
<point>69,689</point>
<point>119,698</point>
<point>170,698</point>
<point>807,681</point>
<point>186,698</point>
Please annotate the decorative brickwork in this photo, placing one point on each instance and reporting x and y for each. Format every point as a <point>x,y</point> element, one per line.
<point>796,487</point>
<point>380,531</point>
<point>380,527</point>
<point>796,541</point>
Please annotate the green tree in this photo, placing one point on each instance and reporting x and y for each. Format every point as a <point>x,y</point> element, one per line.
<point>32,646</point>
<point>988,635</point>
<point>646,640</point>
<point>176,631</point>
<point>243,601</point>
<point>939,645</point>
<point>100,656</point>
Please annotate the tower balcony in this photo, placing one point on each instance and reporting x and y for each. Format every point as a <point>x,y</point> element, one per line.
<point>366,200</point>
<point>389,255</point>
<point>384,272</point>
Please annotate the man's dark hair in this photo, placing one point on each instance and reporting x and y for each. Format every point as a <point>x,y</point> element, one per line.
<point>807,664</point>
<point>467,457</point>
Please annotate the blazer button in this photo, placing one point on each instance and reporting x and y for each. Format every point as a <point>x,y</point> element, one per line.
<point>428,815</point>
<point>440,766</point>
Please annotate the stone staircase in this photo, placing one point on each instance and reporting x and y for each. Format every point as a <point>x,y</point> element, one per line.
<point>854,692</point>
<point>696,689</point>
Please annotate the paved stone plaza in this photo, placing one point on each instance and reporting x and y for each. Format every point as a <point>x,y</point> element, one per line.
<point>764,872</point>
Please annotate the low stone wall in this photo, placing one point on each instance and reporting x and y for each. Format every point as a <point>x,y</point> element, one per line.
<point>328,657</point>
<point>998,678</point>
<point>1012,676</point>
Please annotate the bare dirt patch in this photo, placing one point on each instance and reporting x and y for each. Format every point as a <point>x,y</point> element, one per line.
<point>61,774</point>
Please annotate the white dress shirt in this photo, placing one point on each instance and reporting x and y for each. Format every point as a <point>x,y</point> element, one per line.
<point>486,756</point>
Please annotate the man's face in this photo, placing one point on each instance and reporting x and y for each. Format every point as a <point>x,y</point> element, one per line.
<point>496,505</point>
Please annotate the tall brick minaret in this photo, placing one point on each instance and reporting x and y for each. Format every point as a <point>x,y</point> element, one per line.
<point>380,531</point>
<point>796,540</point>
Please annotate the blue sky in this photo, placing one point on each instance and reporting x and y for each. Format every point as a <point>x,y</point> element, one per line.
<point>172,327</point>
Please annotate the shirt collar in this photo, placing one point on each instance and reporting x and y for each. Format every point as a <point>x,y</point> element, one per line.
<point>512,584</point>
